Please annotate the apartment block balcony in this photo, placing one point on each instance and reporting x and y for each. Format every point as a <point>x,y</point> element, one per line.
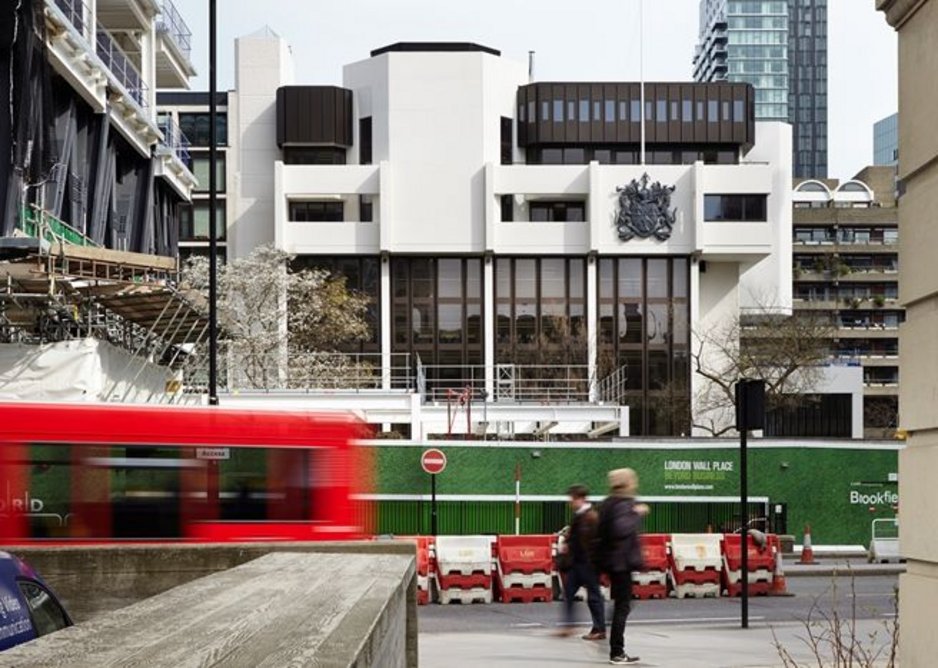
<point>125,14</point>
<point>87,55</point>
<point>175,165</point>
<point>173,48</point>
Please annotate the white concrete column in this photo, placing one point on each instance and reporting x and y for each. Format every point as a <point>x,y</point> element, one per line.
<point>696,381</point>
<point>386,357</point>
<point>592,323</point>
<point>488,310</point>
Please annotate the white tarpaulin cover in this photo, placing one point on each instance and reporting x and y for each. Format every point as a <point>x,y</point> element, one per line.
<point>80,370</point>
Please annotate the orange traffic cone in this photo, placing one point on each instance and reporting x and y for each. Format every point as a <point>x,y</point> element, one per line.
<point>807,552</point>
<point>779,585</point>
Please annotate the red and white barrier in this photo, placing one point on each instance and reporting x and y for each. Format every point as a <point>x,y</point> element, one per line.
<point>696,564</point>
<point>652,580</point>
<point>464,569</point>
<point>426,566</point>
<point>524,568</point>
<point>761,566</point>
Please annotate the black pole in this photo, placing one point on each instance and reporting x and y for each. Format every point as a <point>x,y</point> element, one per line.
<point>744,511</point>
<point>212,213</point>
<point>433,504</point>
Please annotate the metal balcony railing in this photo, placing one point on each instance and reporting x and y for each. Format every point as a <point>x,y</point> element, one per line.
<point>78,14</point>
<point>120,66</point>
<point>169,22</point>
<point>175,139</point>
<point>518,383</point>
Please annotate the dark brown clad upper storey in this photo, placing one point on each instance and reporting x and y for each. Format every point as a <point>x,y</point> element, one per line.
<point>314,116</point>
<point>439,47</point>
<point>609,113</point>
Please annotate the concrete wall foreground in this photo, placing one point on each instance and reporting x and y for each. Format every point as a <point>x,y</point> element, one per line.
<point>284,608</point>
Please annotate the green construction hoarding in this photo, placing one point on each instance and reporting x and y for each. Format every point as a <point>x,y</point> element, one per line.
<point>839,487</point>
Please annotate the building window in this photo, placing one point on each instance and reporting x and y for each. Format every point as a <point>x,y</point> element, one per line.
<point>571,110</point>
<point>314,155</point>
<point>713,111</point>
<point>193,221</point>
<point>610,111</point>
<point>584,111</point>
<point>700,111</point>
<point>636,111</point>
<point>541,318</point>
<point>362,273</point>
<point>330,211</point>
<point>557,212</point>
<point>726,111</point>
<point>197,128</point>
<point>364,141</point>
<point>735,208</point>
<point>675,115</point>
<point>739,114</point>
<point>507,141</point>
<point>644,328</point>
<point>366,209</point>
<point>437,315</point>
<point>507,205</point>
<point>558,111</point>
<point>623,111</point>
<point>597,110</point>
<point>202,171</point>
<point>687,111</point>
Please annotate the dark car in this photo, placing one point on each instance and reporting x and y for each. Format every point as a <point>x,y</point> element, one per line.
<point>28,608</point>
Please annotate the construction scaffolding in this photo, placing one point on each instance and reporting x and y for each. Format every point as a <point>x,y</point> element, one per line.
<point>56,291</point>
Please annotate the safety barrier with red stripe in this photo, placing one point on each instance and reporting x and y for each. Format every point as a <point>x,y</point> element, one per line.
<point>652,580</point>
<point>761,566</point>
<point>524,568</point>
<point>471,569</point>
<point>426,566</point>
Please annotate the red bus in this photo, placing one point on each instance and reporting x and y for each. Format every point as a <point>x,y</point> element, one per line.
<point>106,473</point>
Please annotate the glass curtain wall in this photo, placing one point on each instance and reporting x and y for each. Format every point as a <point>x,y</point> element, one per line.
<point>437,315</point>
<point>644,327</point>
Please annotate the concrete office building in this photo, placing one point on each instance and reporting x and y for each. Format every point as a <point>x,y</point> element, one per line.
<point>504,229</point>
<point>780,47</point>
<point>917,24</point>
<point>84,152</point>
<point>846,270</point>
<point>886,141</point>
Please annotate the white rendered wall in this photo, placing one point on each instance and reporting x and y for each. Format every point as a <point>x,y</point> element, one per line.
<point>263,63</point>
<point>436,118</point>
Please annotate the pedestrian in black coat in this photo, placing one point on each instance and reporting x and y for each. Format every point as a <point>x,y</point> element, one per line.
<point>620,552</point>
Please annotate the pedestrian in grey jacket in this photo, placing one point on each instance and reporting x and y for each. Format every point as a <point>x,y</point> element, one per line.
<point>620,552</point>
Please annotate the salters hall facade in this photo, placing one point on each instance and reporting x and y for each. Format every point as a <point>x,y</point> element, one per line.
<point>507,231</point>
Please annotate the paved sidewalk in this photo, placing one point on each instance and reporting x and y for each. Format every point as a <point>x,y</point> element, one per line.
<point>672,646</point>
<point>839,567</point>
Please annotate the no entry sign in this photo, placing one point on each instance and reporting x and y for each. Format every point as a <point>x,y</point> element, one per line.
<point>433,461</point>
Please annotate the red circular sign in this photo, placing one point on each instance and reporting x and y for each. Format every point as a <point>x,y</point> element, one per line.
<point>433,461</point>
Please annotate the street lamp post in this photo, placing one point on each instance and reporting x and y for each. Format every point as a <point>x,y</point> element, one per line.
<point>212,205</point>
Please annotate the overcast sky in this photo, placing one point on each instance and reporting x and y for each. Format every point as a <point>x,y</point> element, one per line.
<point>571,43</point>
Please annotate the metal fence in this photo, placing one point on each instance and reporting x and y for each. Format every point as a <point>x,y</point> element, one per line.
<point>521,383</point>
<point>78,14</point>
<point>170,23</point>
<point>273,370</point>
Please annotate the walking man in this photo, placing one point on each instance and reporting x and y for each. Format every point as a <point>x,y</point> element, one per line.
<point>579,568</point>
<point>620,552</point>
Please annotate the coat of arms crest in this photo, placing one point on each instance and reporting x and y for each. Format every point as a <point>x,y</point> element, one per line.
<point>645,210</point>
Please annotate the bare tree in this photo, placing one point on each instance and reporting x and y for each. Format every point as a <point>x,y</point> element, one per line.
<point>281,327</point>
<point>786,351</point>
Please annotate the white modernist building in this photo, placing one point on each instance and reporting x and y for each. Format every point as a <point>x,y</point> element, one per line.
<point>517,238</point>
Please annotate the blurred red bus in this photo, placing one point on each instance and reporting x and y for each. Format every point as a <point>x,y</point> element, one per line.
<point>105,473</point>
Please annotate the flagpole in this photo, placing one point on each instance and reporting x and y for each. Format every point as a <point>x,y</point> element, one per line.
<point>641,72</point>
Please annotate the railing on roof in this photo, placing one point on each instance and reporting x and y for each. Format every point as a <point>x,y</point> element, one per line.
<point>170,22</point>
<point>175,139</point>
<point>520,383</point>
<point>269,370</point>
<point>120,66</point>
<point>34,222</point>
